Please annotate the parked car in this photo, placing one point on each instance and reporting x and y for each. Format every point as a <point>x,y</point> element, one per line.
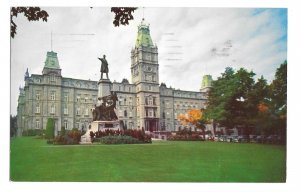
<point>273,139</point>
<point>235,139</point>
<point>243,139</point>
<point>222,138</point>
<point>260,139</point>
<point>252,138</point>
<point>230,138</point>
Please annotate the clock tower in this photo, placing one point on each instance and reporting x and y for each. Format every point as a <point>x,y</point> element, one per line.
<point>145,76</point>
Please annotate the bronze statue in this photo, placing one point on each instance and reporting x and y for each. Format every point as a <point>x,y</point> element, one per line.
<point>104,67</point>
<point>105,112</point>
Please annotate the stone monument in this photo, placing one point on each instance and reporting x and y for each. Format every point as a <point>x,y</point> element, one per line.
<point>104,115</point>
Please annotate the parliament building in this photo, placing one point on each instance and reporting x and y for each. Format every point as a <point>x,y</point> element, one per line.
<point>143,103</point>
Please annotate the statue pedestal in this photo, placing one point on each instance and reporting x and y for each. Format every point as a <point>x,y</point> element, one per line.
<point>100,126</point>
<point>104,87</point>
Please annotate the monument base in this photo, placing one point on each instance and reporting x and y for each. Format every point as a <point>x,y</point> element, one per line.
<point>100,126</point>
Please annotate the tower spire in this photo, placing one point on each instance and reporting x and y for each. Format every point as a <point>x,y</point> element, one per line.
<point>51,41</point>
<point>143,13</point>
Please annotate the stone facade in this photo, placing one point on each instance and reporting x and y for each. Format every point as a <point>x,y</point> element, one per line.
<point>144,103</point>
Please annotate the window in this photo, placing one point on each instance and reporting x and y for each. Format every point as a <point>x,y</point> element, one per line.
<point>52,78</point>
<point>150,101</point>
<point>164,115</point>
<point>150,112</point>
<point>149,88</point>
<point>37,108</point>
<point>37,124</point>
<point>52,109</point>
<point>78,98</point>
<point>78,111</point>
<point>66,110</point>
<point>66,124</point>
<point>130,113</point>
<point>125,113</point>
<point>129,89</point>
<point>52,95</point>
<point>37,96</point>
<point>86,99</point>
<point>66,97</point>
<point>86,112</point>
<point>124,101</point>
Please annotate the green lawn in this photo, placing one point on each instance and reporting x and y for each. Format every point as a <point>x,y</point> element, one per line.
<point>32,159</point>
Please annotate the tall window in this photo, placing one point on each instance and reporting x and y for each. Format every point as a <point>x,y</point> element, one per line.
<point>37,124</point>
<point>37,96</point>
<point>66,97</point>
<point>85,99</point>
<point>52,95</point>
<point>66,124</point>
<point>66,111</point>
<point>150,101</point>
<point>78,111</point>
<point>86,111</point>
<point>125,113</point>
<point>150,112</point>
<point>52,78</point>
<point>78,98</point>
<point>52,109</point>
<point>37,108</point>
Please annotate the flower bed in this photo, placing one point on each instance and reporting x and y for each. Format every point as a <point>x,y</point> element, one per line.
<point>119,139</point>
<point>133,133</point>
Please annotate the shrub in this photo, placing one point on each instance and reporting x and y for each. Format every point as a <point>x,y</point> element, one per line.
<point>50,129</point>
<point>120,139</point>
<point>63,130</point>
<point>71,138</point>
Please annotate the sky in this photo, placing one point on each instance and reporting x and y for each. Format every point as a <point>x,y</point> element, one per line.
<point>191,42</point>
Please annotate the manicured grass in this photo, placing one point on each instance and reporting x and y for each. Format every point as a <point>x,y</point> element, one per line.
<point>32,159</point>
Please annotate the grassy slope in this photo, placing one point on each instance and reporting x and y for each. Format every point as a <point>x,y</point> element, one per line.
<point>34,160</point>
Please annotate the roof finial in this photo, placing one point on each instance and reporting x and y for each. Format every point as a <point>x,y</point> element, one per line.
<point>143,13</point>
<point>51,41</point>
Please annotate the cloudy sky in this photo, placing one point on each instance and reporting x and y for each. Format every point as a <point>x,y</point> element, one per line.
<point>191,42</point>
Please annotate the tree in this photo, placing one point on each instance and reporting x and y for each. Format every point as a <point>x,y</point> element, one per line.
<point>278,102</point>
<point>50,129</point>
<point>31,13</point>
<point>13,126</point>
<point>229,101</point>
<point>193,117</point>
<point>122,15</point>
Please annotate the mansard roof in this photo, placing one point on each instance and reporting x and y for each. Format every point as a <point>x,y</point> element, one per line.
<point>143,37</point>
<point>52,60</point>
